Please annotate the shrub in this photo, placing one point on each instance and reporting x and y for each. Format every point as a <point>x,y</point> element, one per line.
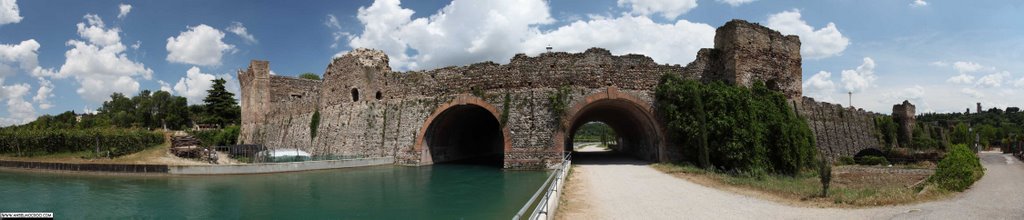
<point>743,130</point>
<point>825,175</point>
<point>222,137</point>
<point>845,160</point>
<point>314,123</point>
<point>958,170</point>
<point>872,160</point>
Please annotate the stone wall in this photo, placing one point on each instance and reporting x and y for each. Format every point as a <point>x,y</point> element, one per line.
<point>368,110</point>
<point>838,131</point>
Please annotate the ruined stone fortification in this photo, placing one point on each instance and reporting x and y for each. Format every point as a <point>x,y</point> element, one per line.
<point>452,113</point>
<point>905,116</point>
<point>838,131</point>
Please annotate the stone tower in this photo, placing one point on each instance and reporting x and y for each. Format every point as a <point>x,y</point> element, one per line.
<point>905,116</point>
<point>747,52</point>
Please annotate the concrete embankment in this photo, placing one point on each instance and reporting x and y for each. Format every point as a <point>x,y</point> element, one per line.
<point>197,169</point>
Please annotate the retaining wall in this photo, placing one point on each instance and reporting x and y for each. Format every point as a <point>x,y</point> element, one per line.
<point>199,169</point>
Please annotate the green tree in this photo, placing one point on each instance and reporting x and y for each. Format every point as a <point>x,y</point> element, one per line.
<point>312,76</point>
<point>220,106</point>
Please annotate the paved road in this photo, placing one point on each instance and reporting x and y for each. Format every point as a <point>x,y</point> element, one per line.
<point>607,188</point>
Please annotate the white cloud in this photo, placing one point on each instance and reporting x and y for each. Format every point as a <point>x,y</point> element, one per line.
<point>164,86</point>
<point>9,12</point>
<point>967,67</point>
<point>136,45</point>
<point>915,94</point>
<point>1019,83</point>
<point>669,9</point>
<point>238,28</point>
<point>474,31</point>
<point>99,64</point>
<point>96,32</point>
<point>332,23</point>
<point>816,44</point>
<point>861,78</point>
<point>993,80</point>
<point>460,33</point>
<point>123,10</point>
<point>200,45</point>
<point>22,56</point>
<point>939,64</point>
<point>735,3</point>
<point>19,111</point>
<point>961,79</point>
<point>195,83</point>
<point>972,93</point>
<point>919,3</point>
<point>820,87</point>
<point>665,43</point>
<point>44,93</point>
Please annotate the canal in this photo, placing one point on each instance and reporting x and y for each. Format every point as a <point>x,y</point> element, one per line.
<point>444,191</point>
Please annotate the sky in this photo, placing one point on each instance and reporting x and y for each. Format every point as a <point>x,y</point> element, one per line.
<point>61,55</point>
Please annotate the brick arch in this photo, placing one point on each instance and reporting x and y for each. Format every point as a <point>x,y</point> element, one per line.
<point>460,100</point>
<point>612,94</point>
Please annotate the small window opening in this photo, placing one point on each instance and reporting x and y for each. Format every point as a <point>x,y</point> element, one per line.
<point>355,94</point>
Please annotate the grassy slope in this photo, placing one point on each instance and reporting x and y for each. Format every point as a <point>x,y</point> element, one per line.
<point>847,189</point>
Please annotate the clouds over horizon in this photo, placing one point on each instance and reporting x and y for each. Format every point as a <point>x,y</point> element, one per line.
<point>99,64</point>
<point>465,32</point>
<point>195,83</point>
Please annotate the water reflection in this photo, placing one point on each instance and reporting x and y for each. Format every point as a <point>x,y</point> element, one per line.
<point>445,191</point>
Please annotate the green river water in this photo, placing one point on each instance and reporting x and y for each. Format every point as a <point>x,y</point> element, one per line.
<point>381,192</point>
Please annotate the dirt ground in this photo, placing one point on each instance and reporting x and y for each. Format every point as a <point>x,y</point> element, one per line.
<point>159,154</point>
<point>631,190</point>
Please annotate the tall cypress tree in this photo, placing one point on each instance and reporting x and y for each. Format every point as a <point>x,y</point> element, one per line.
<point>220,105</point>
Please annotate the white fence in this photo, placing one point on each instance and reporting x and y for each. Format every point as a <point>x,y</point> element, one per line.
<point>552,189</point>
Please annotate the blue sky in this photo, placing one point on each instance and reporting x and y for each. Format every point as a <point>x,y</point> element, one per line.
<point>58,55</point>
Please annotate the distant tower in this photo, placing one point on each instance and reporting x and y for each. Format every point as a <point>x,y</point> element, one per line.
<point>979,108</point>
<point>905,116</point>
<point>548,48</point>
<point>968,111</point>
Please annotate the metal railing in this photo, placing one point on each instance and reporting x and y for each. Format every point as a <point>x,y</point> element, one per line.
<point>551,188</point>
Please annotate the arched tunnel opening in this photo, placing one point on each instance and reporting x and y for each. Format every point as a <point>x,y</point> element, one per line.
<point>635,135</point>
<point>465,134</point>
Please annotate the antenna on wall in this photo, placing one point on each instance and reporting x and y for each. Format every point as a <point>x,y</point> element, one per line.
<point>851,98</point>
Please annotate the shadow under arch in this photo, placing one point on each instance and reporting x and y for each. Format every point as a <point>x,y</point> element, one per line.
<point>632,119</point>
<point>465,129</point>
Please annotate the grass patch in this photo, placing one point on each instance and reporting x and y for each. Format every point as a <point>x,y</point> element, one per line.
<point>849,187</point>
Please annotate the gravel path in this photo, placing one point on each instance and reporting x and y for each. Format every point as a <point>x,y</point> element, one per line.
<point>609,188</point>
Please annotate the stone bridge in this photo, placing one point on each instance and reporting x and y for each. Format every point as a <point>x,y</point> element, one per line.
<point>520,115</point>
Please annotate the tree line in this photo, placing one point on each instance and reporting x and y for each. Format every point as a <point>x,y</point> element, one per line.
<point>149,110</point>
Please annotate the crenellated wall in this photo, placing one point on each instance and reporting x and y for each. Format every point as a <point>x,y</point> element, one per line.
<point>838,131</point>
<point>368,110</point>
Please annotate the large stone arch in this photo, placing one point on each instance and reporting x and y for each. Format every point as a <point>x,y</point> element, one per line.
<point>450,117</point>
<point>632,118</point>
